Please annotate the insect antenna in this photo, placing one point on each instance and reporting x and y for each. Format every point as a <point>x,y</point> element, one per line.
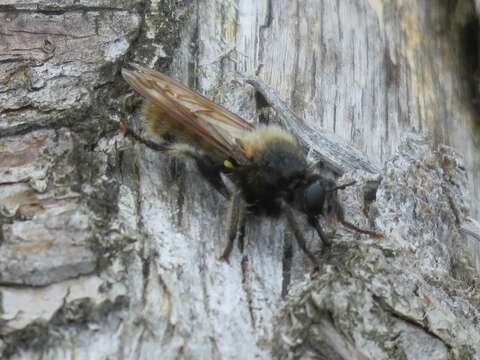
<point>341,187</point>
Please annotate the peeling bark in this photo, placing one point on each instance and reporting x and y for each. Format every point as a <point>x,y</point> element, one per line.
<point>400,297</point>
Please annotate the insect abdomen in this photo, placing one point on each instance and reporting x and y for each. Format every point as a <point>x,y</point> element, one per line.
<point>161,124</point>
<point>156,120</point>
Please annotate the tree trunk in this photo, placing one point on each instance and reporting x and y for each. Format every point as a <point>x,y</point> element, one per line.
<point>109,249</point>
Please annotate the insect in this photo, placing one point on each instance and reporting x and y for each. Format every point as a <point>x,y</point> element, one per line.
<point>266,164</point>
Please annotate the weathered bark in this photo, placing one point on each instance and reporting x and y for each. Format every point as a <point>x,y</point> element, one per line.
<point>408,296</point>
<point>108,249</point>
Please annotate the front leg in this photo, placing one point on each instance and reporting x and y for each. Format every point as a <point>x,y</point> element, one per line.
<point>298,234</point>
<point>313,221</point>
<point>349,225</point>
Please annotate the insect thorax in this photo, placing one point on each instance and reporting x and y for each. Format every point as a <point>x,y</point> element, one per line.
<point>273,175</point>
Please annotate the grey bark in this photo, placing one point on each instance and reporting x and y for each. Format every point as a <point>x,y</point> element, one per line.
<point>109,250</point>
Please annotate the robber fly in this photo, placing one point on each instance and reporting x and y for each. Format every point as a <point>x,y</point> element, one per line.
<point>265,163</point>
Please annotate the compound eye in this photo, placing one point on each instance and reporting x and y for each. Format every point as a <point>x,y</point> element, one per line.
<point>314,197</point>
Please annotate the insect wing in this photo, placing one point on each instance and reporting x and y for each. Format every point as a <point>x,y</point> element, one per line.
<point>214,124</point>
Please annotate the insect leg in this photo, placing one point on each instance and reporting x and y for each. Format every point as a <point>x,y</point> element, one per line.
<point>209,168</point>
<point>210,171</point>
<point>314,222</point>
<point>341,187</point>
<point>242,220</point>
<point>298,234</point>
<point>127,132</point>
<point>341,217</point>
<point>232,224</point>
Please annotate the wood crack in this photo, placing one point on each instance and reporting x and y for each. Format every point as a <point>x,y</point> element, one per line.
<point>286,264</point>
<point>410,320</point>
<point>247,289</point>
<point>60,12</point>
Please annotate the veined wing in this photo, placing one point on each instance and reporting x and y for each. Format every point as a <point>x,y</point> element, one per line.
<point>217,126</point>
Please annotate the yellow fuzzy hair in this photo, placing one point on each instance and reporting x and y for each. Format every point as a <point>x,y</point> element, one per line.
<point>255,143</point>
<point>160,124</point>
<point>155,119</point>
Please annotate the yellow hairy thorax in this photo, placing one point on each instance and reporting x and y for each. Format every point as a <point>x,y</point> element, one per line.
<point>256,142</point>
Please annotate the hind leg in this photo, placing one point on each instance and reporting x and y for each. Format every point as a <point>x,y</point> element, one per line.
<point>235,216</point>
<point>127,132</point>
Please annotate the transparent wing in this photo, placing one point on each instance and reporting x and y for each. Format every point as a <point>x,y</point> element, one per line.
<point>214,124</point>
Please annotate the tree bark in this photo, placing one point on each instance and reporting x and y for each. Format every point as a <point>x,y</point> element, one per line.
<point>109,249</point>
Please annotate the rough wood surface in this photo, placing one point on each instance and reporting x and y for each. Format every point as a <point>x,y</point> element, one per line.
<point>109,250</point>
<point>321,145</point>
